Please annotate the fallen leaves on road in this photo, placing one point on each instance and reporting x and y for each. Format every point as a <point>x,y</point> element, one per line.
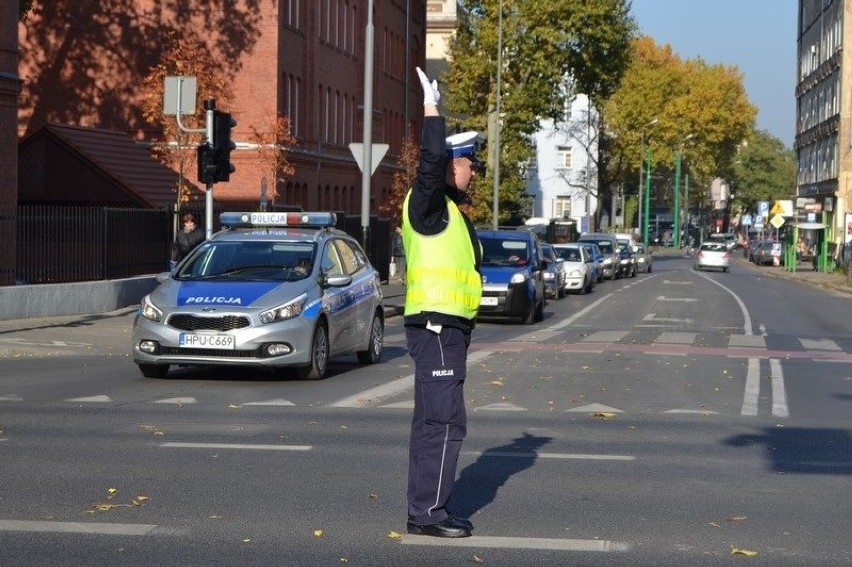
<point>605,415</point>
<point>319,533</point>
<point>394,535</point>
<point>477,559</point>
<point>741,551</point>
<point>109,504</point>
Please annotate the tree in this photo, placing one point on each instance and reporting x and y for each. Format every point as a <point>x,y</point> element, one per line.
<point>544,43</point>
<point>403,178</point>
<point>184,56</point>
<point>272,144</point>
<point>764,170</point>
<point>690,97</point>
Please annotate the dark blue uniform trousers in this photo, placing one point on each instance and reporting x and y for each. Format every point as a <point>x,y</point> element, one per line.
<point>439,424</point>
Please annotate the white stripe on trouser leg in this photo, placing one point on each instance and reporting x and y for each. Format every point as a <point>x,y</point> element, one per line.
<point>441,474</point>
<point>441,346</point>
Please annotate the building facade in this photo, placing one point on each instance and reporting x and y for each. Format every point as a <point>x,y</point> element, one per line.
<point>301,58</point>
<point>563,177</point>
<point>823,118</point>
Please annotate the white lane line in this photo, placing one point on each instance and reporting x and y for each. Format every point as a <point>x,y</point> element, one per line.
<point>747,329</point>
<point>536,455</point>
<point>11,398</point>
<point>376,395</point>
<point>97,399</point>
<point>177,401</point>
<point>823,344</point>
<point>237,446</point>
<point>274,402</point>
<point>680,299</point>
<point>779,395</point>
<point>752,387</point>
<point>521,543</point>
<point>77,528</point>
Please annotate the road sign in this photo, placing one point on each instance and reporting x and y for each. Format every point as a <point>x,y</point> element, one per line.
<point>777,209</point>
<point>379,151</point>
<point>745,220</point>
<point>777,221</point>
<point>762,207</point>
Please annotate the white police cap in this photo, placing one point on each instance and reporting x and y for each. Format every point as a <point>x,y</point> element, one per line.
<point>464,145</point>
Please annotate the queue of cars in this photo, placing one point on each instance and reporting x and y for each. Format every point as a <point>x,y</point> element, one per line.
<point>288,292</point>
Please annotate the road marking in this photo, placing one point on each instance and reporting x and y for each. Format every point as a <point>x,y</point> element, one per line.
<point>747,329</point>
<point>537,455</point>
<point>779,396</point>
<point>100,399</point>
<point>521,543</point>
<point>11,398</point>
<point>703,412</point>
<point>240,446</point>
<point>502,406</point>
<point>824,344</point>
<point>374,396</point>
<point>750,341</point>
<point>672,282</point>
<point>77,527</point>
<point>681,299</point>
<point>275,402</point>
<point>752,387</point>
<point>595,408</point>
<point>178,401</point>
<point>652,317</point>
<point>677,338</point>
<point>605,337</point>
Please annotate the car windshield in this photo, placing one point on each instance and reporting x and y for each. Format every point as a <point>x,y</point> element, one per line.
<point>499,252</point>
<point>570,254</point>
<point>605,246</point>
<point>714,247</point>
<point>255,261</point>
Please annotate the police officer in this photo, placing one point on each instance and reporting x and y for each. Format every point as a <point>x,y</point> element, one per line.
<point>442,298</point>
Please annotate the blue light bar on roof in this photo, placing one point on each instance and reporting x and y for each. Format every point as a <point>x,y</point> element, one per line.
<point>305,219</point>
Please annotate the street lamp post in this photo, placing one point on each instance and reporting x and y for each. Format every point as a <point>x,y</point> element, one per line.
<point>495,213</point>
<point>642,230</point>
<point>677,191</point>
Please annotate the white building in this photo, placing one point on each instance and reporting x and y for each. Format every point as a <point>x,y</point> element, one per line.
<point>563,177</point>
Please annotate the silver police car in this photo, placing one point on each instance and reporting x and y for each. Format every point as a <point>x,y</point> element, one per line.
<point>272,290</point>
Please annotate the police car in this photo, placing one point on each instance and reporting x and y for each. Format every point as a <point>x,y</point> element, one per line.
<point>271,290</point>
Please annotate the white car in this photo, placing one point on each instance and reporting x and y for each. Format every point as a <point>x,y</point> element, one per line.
<point>713,255</point>
<point>282,291</point>
<point>580,277</point>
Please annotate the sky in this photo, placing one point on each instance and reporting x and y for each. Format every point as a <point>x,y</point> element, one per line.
<point>757,36</point>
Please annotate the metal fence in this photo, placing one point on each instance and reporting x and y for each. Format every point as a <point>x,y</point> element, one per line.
<point>58,244</point>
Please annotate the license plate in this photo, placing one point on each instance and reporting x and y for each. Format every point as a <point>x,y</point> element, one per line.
<point>220,342</point>
<point>488,301</point>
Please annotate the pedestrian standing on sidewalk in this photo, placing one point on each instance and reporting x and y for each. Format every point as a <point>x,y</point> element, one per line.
<point>444,287</point>
<point>187,239</point>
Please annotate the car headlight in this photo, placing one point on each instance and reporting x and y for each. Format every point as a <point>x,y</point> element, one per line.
<point>641,260</point>
<point>519,277</point>
<point>149,310</point>
<point>607,262</point>
<point>549,275</point>
<point>575,273</point>
<point>283,312</point>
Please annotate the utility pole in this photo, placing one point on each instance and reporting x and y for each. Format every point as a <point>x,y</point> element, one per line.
<point>648,173</point>
<point>495,213</point>
<point>367,158</point>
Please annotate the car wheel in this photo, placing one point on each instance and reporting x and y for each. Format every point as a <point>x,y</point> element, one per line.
<point>633,274</point>
<point>529,318</point>
<point>154,370</point>
<point>648,271</point>
<point>724,269</point>
<point>539,311</point>
<point>373,354</point>
<point>318,367</point>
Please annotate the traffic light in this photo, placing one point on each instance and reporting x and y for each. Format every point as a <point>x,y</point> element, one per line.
<point>206,165</point>
<point>223,122</point>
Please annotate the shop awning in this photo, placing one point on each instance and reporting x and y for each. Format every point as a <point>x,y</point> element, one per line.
<point>810,225</point>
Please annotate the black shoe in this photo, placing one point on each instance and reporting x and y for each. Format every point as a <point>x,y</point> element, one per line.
<point>465,522</point>
<point>448,528</point>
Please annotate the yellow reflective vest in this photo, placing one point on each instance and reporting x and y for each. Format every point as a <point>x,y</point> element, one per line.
<point>440,268</point>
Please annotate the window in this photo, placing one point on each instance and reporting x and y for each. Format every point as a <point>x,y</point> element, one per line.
<point>352,259</point>
<point>564,160</point>
<point>562,207</point>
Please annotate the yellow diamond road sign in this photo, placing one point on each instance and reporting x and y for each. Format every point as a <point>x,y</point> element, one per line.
<point>776,221</point>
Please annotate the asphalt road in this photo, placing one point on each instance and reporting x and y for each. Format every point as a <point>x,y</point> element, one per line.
<point>678,418</point>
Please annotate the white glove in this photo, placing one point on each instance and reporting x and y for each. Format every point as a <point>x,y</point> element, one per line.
<point>430,90</point>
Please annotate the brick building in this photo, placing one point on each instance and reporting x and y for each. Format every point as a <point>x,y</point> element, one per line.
<point>82,65</point>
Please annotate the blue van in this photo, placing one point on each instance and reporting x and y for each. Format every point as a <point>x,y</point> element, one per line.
<point>512,275</point>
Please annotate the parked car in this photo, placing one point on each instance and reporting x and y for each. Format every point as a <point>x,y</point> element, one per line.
<point>626,261</point>
<point>608,245</point>
<point>762,253</point>
<point>554,273</point>
<point>644,259</point>
<point>713,255</point>
<point>289,296</point>
<point>512,275</point>
<point>579,267</point>
<point>597,259</point>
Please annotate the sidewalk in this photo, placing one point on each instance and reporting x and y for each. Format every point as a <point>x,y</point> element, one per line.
<point>835,281</point>
<point>394,298</point>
